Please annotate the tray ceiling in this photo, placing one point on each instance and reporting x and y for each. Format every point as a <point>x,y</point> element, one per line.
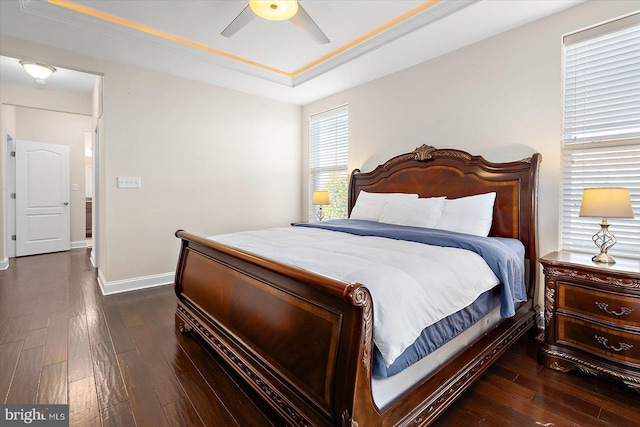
<point>270,58</point>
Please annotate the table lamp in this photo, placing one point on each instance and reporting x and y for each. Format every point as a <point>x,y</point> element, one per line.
<point>320,198</point>
<point>605,203</point>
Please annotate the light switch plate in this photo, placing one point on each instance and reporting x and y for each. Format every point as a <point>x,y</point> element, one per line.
<point>129,182</point>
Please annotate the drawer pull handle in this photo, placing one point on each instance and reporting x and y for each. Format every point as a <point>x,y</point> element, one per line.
<point>623,310</point>
<point>621,347</point>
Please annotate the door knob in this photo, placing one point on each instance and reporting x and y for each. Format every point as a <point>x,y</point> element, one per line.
<point>65,203</point>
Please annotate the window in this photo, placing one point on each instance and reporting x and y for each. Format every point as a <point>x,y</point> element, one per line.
<point>328,160</point>
<point>601,135</point>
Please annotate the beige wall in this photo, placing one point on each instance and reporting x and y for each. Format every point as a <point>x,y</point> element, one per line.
<point>44,98</point>
<point>212,160</point>
<point>500,98</point>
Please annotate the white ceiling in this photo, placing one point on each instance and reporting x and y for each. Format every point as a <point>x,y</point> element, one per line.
<point>62,80</point>
<point>369,39</point>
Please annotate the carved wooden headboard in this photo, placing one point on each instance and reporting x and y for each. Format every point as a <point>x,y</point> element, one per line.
<point>431,172</point>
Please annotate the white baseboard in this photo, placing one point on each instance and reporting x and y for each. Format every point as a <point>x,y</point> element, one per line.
<point>135,283</point>
<point>101,281</point>
<point>79,244</point>
<point>93,260</point>
<point>4,264</point>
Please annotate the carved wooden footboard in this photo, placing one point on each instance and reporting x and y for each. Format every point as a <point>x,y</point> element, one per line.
<point>297,337</point>
<point>303,341</point>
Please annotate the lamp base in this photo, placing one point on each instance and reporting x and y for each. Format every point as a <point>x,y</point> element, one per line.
<point>604,240</point>
<point>603,258</point>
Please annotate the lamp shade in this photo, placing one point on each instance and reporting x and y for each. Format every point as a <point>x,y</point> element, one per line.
<point>38,71</point>
<point>606,203</point>
<point>320,198</point>
<point>274,10</point>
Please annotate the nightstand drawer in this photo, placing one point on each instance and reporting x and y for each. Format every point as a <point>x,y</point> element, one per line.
<point>623,310</point>
<point>597,339</point>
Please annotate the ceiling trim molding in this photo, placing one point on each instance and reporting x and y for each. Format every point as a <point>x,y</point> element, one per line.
<point>55,12</point>
<point>69,12</point>
<point>413,22</point>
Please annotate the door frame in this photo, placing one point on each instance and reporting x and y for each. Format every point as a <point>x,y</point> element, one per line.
<point>95,208</point>
<point>97,202</point>
<point>10,203</point>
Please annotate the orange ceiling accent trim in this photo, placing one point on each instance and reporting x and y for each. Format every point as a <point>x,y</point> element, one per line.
<point>145,29</point>
<point>366,36</point>
<point>149,30</point>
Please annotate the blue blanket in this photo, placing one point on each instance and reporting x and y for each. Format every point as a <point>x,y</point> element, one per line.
<point>436,335</point>
<point>503,261</point>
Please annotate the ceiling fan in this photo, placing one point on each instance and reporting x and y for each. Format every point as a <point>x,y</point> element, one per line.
<point>277,10</point>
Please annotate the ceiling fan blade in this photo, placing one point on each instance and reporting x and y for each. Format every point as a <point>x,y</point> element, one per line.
<point>303,21</point>
<point>240,21</point>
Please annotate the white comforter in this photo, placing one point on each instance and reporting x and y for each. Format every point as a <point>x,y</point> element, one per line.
<point>413,285</point>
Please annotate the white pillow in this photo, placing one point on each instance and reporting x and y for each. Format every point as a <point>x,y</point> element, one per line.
<point>413,212</point>
<point>470,215</point>
<point>369,206</point>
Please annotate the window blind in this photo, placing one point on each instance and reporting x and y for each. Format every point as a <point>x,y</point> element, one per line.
<point>329,159</point>
<point>601,130</point>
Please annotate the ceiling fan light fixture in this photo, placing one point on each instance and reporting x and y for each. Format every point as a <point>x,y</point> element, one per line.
<point>40,72</point>
<point>274,10</point>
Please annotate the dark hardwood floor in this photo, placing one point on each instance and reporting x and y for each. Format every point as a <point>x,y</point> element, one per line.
<point>118,361</point>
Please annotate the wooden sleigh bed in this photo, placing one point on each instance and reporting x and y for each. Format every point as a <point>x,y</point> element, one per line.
<point>304,342</point>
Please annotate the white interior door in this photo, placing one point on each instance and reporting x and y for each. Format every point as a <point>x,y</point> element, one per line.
<point>42,198</point>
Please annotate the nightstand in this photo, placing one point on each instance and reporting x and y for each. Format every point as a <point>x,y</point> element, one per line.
<point>592,317</point>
